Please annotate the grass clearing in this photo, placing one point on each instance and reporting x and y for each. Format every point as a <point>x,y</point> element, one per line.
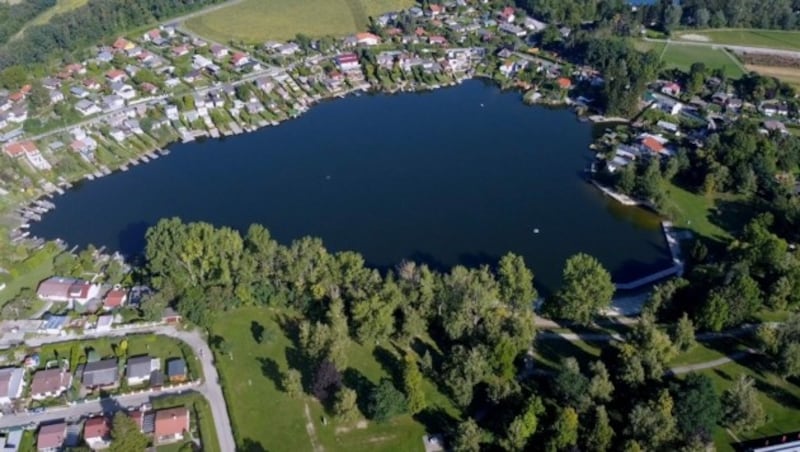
<point>780,398</point>
<point>683,56</point>
<point>695,211</point>
<point>36,268</point>
<point>786,74</point>
<point>266,418</point>
<point>774,39</point>
<point>256,21</point>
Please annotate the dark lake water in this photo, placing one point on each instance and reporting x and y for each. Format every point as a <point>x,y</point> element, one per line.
<point>459,175</point>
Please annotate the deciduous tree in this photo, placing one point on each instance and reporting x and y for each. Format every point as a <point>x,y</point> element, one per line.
<point>586,289</point>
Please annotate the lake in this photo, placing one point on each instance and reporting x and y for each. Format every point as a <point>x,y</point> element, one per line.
<point>457,176</point>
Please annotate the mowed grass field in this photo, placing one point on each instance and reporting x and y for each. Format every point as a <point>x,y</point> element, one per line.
<point>775,39</point>
<point>256,21</point>
<point>683,56</point>
<point>266,418</point>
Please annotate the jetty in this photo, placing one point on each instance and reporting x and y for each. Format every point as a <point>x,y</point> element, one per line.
<point>676,269</point>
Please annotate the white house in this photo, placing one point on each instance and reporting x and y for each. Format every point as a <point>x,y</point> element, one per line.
<point>11,384</point>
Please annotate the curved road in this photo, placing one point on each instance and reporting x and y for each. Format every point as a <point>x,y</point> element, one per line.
<point>210,387</point>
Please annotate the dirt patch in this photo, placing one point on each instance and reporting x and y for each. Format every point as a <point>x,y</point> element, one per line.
<point>790,75</point>
<point>362,424</point>
<point>380,439</point>
<point>312,432</point>
<point>694,37</point>
<point>763,59</point>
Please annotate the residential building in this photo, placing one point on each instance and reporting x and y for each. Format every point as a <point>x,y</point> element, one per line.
<point>11,441</point>
<point>171,424</point>
<point>367,39</point>
<point>139,368</point>
<point>115,298</point>
<point>87,108</point>
<point>51,437</point>
<point>104,322</point>
<point>176,370</point>
<point>67,290</point>
<point>12,383</point>
<point>100,374</point>
<point>348,62</point>
<point>29,151</point>
<point>50,383</point>
<point>116,76</point>
<point>97,432</point>
<point>239,59</point>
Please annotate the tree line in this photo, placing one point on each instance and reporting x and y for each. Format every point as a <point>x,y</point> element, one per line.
<point>14,16</point>
<point>89,24</point>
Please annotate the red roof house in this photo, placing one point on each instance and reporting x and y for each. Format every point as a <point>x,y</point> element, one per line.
<point>171,424</point>
<point>19,148</point>
<point>114,299</point>
<point>116,75</point>
<point>564,83</point>
<point>51,436</point>
<point>96,432</point>
<point>653,145</point>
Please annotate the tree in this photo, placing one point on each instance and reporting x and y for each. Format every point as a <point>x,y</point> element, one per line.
<point>742,411</point>
<point>39,96</point>
<point>126,434</point>
<point>789,363</point>
<point>13,77</point>
<point>468,437</point>
<point>599,437</point>
<point>345,406</point>
<point>652,422</point>
<point>515,282</point>
<point>684,339</point>
<point>74,357</point>
<point>564,430</point>
<point>523,426</point>
<point>600,386</point>
<point>697,406</point>
<point>292,382</point>
<point>327,380</point>
<point>586,289</point>
<point>701,17</point>
<point>570,386</point>
<point>386,401</point>
<point>412,382</point>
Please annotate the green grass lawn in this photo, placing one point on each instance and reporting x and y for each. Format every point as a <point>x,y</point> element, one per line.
<point>776,39</point>
<point>683,56</point>
<point>266,418</point>
<point>256,21</point>
<point>550,351</point>
<point>696,212</point>
<point>37,268</point>
<point>781,400</point>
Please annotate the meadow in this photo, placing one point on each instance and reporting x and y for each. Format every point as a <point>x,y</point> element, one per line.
<point>257,21</point>
<point>774,39</point>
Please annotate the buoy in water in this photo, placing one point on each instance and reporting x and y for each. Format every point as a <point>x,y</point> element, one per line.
<point>535,230</point>
<point>327,177</point>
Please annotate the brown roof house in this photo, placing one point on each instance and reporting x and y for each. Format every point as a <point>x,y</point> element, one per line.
<point>171,424</point>
<point>51,437</point>
<point>67,290</point>
<point>97,432</point>
<point>50,383</point>
<point>11,384</point>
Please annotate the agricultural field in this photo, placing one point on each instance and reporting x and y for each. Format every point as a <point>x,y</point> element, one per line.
<point>774,39</point>
<point>251,374</point>
<point>683,56</point>
<point>256,21</point>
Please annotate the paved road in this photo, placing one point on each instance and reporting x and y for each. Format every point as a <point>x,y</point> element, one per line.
<point>210,387</point>
<point>77,411</point>
<point>739,49</point>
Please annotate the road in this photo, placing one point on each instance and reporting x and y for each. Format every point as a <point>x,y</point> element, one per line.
<point>734,48</point>
<point>210,387</point>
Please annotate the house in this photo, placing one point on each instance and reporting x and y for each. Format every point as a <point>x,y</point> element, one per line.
<point>534,25</point>
<point>671,88</point>
<point>653,145</point>
<point>11,384</point>
<point>100,374</point>
<point>668,126</point>
<point>104,322</point>
<point>199,62</point>
<point>116,76</point>
<point>139,368</point>
<point>437,40</point>
<point>148,88</point>
<point>348,62</point>
<point>155,37</point>
<point>288,49</point>
<point>97,432</point>
<point>435,10</point>
<point>123,90</point>
<point>122,44</point>
<point>56,96</point>
<point>171,424</point>
<point>775,126</point>
<point>87,108</point>
<point>219,51</point>
<point>113,102</point>
<point>512,29</point>
<point>239,59</point>
<point>179,51</point>
<point>28,150</point>
<point>11,440</point>
<point>564,83</point>
<point>176,370</point>
<point>367,39</point>
<point>507,15</point>
<point>772,108</point>
<point>51,437</point>
<point>114,299</point>
<point>85,147</point>
<point>67,290</point>
<point>170,316</point>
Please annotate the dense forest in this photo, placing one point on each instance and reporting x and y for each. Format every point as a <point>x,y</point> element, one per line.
<point>14,16</point>
<point>88,25</point>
